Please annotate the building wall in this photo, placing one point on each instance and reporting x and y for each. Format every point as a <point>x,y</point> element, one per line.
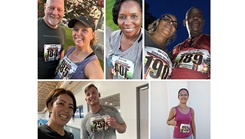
<point>163,96</point>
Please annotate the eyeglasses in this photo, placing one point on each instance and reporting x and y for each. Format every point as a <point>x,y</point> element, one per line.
<point>168,19</point>
<point>184,95</point>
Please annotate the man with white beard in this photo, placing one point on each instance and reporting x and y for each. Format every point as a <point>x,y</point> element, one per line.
<point>51,39</point>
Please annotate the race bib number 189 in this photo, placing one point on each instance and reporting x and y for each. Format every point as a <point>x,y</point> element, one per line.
<point>198,60</point>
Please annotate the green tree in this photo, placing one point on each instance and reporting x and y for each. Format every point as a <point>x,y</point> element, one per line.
<point>74,8</point>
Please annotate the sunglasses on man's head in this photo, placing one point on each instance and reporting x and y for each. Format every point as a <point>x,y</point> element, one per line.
<point>168,19</point>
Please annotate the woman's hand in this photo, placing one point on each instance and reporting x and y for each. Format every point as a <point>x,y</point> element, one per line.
<point>172,122</point>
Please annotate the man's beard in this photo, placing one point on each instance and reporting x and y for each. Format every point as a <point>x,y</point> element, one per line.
<point>53,21</point>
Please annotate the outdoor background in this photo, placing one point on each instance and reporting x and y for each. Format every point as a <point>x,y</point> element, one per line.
<point>155,8</point>
<point>75,8</point>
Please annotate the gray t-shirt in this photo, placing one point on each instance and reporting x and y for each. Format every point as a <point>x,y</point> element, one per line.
<point>126,64</point>
<point>95,127</point>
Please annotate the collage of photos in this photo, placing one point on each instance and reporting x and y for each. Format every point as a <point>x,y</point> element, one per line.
<point>123,69</point>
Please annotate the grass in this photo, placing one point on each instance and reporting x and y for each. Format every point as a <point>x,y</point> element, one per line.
<point>109,19</point>
<point>69,42</point>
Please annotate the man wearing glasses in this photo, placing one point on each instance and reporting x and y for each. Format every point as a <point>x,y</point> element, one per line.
<point>191,58</point>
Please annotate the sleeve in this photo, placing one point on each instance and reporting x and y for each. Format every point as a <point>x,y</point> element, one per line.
<point>118,117</point>
<point>83,131</point>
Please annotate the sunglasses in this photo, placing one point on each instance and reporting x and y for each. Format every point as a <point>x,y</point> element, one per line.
<point>168,19</point>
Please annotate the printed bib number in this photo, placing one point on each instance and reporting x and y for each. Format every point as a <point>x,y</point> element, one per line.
<point>198,60</point>
<point>51,52</point>
<point>99,123</point>
<point>66,68</point>
<point>184,128</point>
<point>122,68</point>
<point>157,64</point>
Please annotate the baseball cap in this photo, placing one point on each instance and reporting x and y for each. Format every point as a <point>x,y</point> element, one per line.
<point>86,20</point>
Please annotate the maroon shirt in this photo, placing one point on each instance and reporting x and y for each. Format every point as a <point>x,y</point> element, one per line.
<point>195,55</point>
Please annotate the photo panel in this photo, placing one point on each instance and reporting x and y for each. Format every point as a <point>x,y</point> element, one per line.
<point>129,98</point>
<point>70,37</point>
<point>177,39</point>
<point>164,95</point>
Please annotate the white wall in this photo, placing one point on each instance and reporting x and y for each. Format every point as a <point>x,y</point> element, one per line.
<point>164,96</point>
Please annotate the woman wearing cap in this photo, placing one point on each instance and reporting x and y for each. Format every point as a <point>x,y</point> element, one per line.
<point>157,62</point>
<point>80,62</point>
<point>125,57</point>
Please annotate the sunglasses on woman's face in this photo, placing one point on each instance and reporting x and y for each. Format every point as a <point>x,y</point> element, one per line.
<point>168,19</point>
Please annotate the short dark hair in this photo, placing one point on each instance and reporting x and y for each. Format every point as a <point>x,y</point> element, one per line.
<point>183,89</point>
<point>90,86</point>
<point>186,15</point>
<point>52,97</point>
<point>117,6</point>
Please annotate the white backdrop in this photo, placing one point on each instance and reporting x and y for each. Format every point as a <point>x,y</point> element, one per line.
<point>164,96</point>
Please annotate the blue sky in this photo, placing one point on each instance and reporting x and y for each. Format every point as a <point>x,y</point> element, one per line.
<point>179,8</point>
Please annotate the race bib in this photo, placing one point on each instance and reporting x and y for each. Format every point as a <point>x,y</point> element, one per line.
<point>157,64</point>
<point>66,69</point>
<point>184,128</point>
<point>99,123</point>
<point>122,68</point>
<point>198,60</point>
<point>51,52</point>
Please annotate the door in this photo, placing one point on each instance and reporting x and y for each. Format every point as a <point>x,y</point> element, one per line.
<point>142,112</point>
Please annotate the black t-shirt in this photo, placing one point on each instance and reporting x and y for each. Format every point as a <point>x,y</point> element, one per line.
<point>45,132</point>
<point>47,37</point>
<point>150,43</point>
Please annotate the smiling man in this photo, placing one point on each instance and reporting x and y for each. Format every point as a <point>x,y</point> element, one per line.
<point>191,58</point>
<point>51,39</point>
<point>102,121</point>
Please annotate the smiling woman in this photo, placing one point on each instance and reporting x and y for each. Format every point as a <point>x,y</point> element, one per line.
<point>80,62</point>
<point>61,105</point>
<point>157,61</point>
<point>125,57</point>
<point>182,117</point>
